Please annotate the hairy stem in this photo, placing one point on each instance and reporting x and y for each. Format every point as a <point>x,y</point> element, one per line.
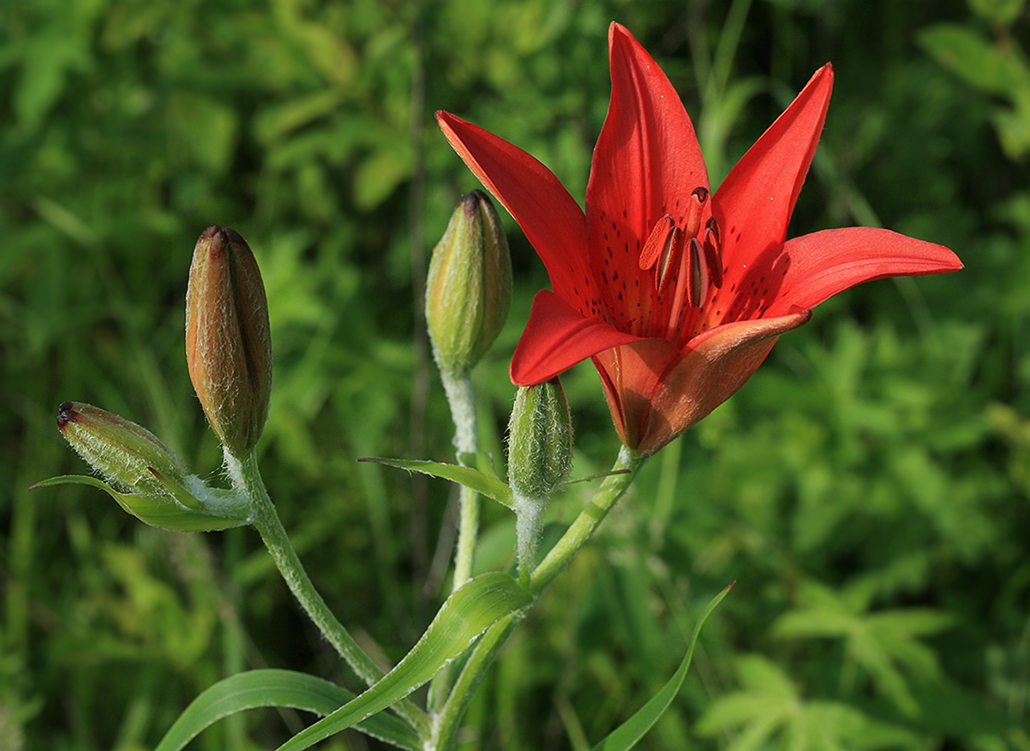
<point>244,474</point>
<point>461,399</point>
<point>447,719</point>
<point>626,467</point>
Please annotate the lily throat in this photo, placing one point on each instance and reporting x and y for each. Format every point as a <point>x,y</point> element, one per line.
<point>685,264</point>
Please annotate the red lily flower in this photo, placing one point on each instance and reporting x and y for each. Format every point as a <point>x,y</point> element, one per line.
<point>677,295</point>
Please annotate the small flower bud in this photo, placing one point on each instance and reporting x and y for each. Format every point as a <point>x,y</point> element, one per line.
<point>150,482</point>
<point>122,451</point>
<point>228,341</point>
<point>468,290</point>
<point>539,460</point>
<point>539,440</point>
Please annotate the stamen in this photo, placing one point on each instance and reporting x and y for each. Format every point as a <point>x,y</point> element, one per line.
<point>656,243</point>
<point>695,208</point>
<point>713,225</point>
<point>697,275</point>
<point>713,254</point>
<point>680,256</point>
<point>669,262</point>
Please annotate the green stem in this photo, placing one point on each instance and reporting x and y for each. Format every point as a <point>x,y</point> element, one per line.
<point>447,720</point>
<point>461,399</point>
<point>611,490</point>
<point>245,476</point>
<point>529,514</point>
<point>468,529</point>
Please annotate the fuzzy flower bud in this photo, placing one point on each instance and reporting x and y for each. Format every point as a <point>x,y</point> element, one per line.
<point>120,450</point>
<point>468,291</point>
<point>228,341</point>
<point>149,481</point>
<point>539,459</point>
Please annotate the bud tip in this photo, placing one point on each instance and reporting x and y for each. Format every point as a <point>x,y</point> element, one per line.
<point>65,414</point>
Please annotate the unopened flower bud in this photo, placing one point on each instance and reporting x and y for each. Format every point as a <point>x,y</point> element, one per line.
<point>539,459</point>
<point>539,440</point>
<point>149,481</point>
<point>228,341</point>
<point>122,451</point>
<point>468,290</point>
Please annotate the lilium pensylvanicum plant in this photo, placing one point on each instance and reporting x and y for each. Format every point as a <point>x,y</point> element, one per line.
<point>675,293</point>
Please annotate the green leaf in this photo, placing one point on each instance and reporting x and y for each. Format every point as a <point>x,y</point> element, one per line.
<point>467,613</point>
<point>478,481</point>
<point>627,735</point>
<point>276,688</point>
<point>769,711</point>
<point>154,510</point>
<point>379,174</point>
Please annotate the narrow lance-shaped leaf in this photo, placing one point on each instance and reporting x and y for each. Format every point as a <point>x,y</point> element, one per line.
<point>277,688</point>
<point>159,512</point>
<point>478,481</point>
<point>479,604</point>
<point>627,735</point>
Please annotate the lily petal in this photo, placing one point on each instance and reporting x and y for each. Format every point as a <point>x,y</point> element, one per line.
<point>755,201</point>
<point>630,374</point>
<point>552,220</point>
<point>714,366</point>
<point>646,163</point>
<point>556,338</point>
<point>821,264</point>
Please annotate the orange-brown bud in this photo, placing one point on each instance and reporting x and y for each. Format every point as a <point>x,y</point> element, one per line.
<point>228,342</point>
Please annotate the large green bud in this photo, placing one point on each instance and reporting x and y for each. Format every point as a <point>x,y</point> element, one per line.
<point>468,291</point>
<point>142,474</point>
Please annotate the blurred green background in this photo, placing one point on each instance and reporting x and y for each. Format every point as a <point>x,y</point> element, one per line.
<point>868,489</point>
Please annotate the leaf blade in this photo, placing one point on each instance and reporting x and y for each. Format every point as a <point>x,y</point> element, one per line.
<point>276,688</point>
<point>627,735</point>
<point>478,481</point>
<point>157,512</point>
<point>480,603</point>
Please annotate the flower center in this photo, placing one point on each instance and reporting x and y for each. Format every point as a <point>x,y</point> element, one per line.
<point>687,261</point>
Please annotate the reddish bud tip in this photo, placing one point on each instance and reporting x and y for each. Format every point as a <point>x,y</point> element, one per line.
<point>66,414</point>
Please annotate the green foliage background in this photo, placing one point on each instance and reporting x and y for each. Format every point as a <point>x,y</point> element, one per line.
<point>868,489</point>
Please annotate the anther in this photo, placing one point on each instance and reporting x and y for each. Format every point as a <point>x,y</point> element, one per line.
<point>669,261</point>
<point>697,275</point>
<point>713,255</point>
<point>713,225</point>
<point>656,242</point>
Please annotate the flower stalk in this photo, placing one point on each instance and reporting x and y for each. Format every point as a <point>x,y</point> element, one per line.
<point>446,721</point>
<point>246,478</point>
<point>461,398</point>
